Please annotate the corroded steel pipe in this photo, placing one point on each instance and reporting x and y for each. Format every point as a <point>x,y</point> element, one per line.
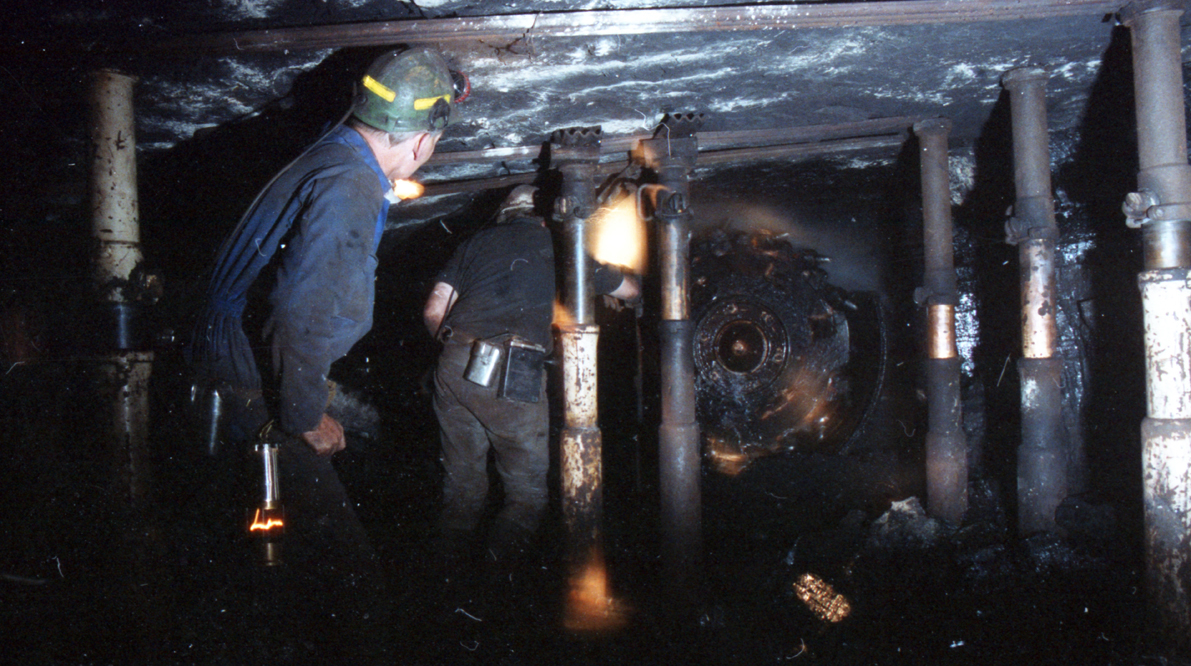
<point>1041,464</point>
<point>1166,451</point>
<point>1032,227</point>
<point>1167,312</point>
<point>1036,264</point>
<point>116,228</point>
<point>1161,208</point>
<point>125,383</point>
<point>1042,457</point>
<point>114,207</point>
<point>1162,205</point>
<point>671,153</point>
<point>581,445</point>
<point>576,152</point>
<point>946,446</point>
<point>678,450</point>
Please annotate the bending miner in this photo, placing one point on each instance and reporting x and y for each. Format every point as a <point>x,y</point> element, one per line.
<point>492,307</point>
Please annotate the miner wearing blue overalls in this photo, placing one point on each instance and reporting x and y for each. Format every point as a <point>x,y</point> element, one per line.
<point>497,292</point>
<point>305,252</point>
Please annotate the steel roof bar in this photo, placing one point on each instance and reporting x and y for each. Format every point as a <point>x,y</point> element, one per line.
<point>793,152</point>
<point>897,125</point>
<point>592,23</point>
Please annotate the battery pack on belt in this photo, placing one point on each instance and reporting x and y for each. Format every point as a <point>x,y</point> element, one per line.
<point>513,364</point>
<point>522,379</point>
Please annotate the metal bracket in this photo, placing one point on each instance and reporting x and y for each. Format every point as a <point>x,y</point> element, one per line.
<point>679,125</point>
<point>575,144</point>
<point>926,297</point>
<point>673,142</point>
<point>1143,207</point>
<point>672,206</point>
<point>1030,218</point>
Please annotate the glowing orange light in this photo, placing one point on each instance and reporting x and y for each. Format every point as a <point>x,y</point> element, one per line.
<point>616,235</point>
<point>562,316</point>
<point>590,606</point>
<point>408,189</point>
<point>821,598</point>
<point>808,404</point>
<point>726,457</point>
<point>266,520</point>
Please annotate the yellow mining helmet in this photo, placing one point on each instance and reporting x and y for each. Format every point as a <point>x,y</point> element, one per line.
<point>406,91</point>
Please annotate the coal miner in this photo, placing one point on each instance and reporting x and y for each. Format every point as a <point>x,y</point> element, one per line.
<point>492,307</point>
<point>305,256</point>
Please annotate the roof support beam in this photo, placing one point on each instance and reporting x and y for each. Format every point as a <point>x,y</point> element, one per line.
<point>794,152</point>
<point>777,138</point>
<point>594,23</point>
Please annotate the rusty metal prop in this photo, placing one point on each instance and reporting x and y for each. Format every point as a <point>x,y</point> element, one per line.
<point>592,23</point>
<point>1042,470</point>
<point>581,445</point>
<point>1032,227</point>
<point>1041,464</point>
<point>1161,208</point>
<point>1166,451</point>
<point>575,152</point>
<point>672,154</point>
<point>116,228</point>
<point>114,206</point>
<point>946,447</point>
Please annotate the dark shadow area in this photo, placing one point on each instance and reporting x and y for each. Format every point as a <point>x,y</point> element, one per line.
<point>987,269</point>
<point>1103,169</point>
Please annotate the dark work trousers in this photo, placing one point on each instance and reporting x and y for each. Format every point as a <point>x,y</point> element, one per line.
<point>472,418</point>
<point>327,596</point>
<point>335,582</point>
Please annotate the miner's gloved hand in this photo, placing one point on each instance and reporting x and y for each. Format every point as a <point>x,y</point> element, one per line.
<point>326,438</point>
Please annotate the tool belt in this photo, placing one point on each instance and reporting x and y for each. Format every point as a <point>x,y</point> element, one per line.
<point>510,362</point>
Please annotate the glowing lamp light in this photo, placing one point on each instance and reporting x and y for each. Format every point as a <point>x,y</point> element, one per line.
<point>591,609</point>
<point>616,235</point>
<point>408,189</point>
<point>267,529</point>
<point>562,316</point>
<point>267,520</point>
<point>821,598</point>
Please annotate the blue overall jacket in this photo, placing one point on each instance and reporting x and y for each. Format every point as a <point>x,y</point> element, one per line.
<point>325,213</point>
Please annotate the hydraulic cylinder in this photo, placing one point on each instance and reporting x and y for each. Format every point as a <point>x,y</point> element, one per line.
<point>1161,208</point>
<point>946,446</point>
